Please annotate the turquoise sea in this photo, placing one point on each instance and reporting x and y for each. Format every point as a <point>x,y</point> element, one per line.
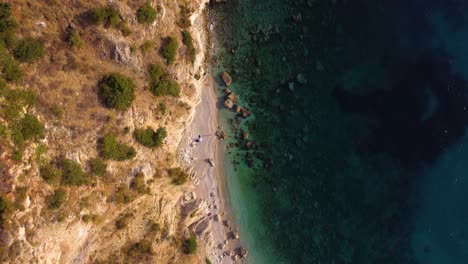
<point>357,149</point>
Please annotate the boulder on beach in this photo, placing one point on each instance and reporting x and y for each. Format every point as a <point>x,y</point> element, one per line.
<point>228,103</point>
<point>211,162</point>
<point>228,91</point>
<point>226,78</point>
<point>238,108</point>
<point>233,97</point>
<point>243,252</point>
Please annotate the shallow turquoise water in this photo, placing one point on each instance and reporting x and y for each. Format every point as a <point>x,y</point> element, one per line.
<point>358,129</point>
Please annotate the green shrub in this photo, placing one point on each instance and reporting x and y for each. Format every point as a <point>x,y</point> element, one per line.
<point>29,50</point>
<point>149,138</point>
<point>123,221</point>
<point>178,175</point>
<point>14,102</point>
<point>123,195</point>
<point>50,173</point>
<point>162,108</point>
<point>188,42</point>
<point>6,211</point>
<point>140,251</point>
<point>12,71</point>
<point>190,244</point>
<point>125,29</point>
<point>9,39</point>
<point>20,197</point>
<point>138,183</point>
<point>169,49</point>
<point>57,199</point>
<point>31,127</point>
<point>89,218</point>
<point>72,173</point>
<point>74,39</point>
<point>146,14</point>
<point>97,166</point>
<point>6,23</point>
<point>107,16</point>
<point>111,149</point>
<point>58,111</point>
<point>147,46</point>
<point>116,91</point>
<point>161,83</point>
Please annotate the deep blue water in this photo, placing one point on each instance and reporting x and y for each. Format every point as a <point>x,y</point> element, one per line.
<point>360,148</point>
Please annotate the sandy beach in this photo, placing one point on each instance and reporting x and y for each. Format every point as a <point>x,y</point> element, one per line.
<point>209,181</point>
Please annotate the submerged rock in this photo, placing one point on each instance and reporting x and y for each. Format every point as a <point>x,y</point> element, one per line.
<point>226,78</point>
<point>245,113</point>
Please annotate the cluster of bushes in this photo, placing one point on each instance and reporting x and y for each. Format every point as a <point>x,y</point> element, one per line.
<point>169,49</point>
<point>123,195</point>
<point>67,172</point>
<point>177,175</point>
<point>116,91</point>
<point>146,14</point>
<point>139,252</point>
<point>110,148</point>
<point>188,42</point>
<point>106,16</point>
<point>150,138</point>
<point>161,82</point>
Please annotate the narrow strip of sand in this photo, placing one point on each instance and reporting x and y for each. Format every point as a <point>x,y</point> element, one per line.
<point>199,145</point>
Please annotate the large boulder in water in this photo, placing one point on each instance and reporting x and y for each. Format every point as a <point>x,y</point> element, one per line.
<point>226,78</point>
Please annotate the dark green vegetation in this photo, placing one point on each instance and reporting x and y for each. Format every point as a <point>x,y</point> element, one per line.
<point>188,42</point>
<point>57,199</point>
<point>97,167</point>
<point>177,175</point>
<point>107,16</point>
<point>7,24</point>
<point>146,14</point>
<point>161,83</point>
<point>29,50</point>
<point>169,49</point>
<point>50,173</point>
<point>190,244</point>
<point>116,91</point>
<point>110,148</point>
<point>6,211</point>
<point>150,138</point>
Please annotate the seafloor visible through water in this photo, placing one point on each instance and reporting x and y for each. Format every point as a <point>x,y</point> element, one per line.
<point>360,147</point>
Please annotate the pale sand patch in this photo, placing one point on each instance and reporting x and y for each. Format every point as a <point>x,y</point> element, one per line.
<point>209,182</point>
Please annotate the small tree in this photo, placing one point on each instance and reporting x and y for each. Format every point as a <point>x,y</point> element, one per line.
<point>116,91</point>
<point>29,50</point>
<point>169,49</point>
<point>149,138</point>
<point>161,82</point>
<point>146,14</point>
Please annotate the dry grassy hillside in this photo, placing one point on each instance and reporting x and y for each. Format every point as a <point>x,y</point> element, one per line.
<point>63,199</point>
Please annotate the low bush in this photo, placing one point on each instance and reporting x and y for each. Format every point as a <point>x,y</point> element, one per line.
<point>161,82</point>
<point>50,174</point>
<point>162,108</point>
<point>125,29</point>
<point>116,91</point>
<point>150,138</point>
<point>29,127</point>
<point>184,21</point>
<point>188,42</point>
<point>146,14</point>
<point>57,199</point>
<point>190,244</point>
<point>138,183</point>
<point>109,148</point>
<point>74,39</point>
<point>123,220</point>
<point>29,50</point>
<point>123,195</point>
<point>140,251</point>
<point>169,49</point>
<point>177,175</point>
<point>72,173</point>
<point>147,46</point>
<point>107,16</point>
<point>97,166</point>
<point>6,22</point>
<point>12,71</point>
<point>6,211</point>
